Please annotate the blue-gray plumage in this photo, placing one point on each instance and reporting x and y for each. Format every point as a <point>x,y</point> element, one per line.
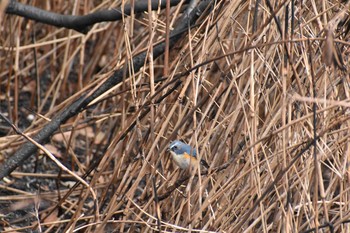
<point>184,154</point>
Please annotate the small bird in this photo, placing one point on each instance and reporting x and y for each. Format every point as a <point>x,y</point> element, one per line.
<point>184,155</point>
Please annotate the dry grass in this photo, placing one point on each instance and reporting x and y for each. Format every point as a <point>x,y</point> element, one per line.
<point>252,106</point>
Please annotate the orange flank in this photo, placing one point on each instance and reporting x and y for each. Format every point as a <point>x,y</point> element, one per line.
<point>192,158</point>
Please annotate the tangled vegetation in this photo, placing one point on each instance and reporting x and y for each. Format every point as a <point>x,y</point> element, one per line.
<point>89,106</point>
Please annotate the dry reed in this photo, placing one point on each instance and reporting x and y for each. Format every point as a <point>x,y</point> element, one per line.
<point>263,93</point>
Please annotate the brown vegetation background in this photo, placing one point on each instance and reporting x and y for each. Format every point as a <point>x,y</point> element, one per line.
<point>260,88</point>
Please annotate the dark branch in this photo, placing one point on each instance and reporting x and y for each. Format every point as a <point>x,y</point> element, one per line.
<point>81,23</point>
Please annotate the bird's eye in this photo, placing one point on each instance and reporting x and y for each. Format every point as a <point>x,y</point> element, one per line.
<point>174,148</point>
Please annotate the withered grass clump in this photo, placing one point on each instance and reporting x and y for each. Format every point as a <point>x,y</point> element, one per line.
<point>261,91</point>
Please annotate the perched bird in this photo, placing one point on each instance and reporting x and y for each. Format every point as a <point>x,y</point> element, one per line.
<point>184,155</point>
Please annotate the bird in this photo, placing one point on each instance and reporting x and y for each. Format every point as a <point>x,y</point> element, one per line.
<point>184,155</point>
